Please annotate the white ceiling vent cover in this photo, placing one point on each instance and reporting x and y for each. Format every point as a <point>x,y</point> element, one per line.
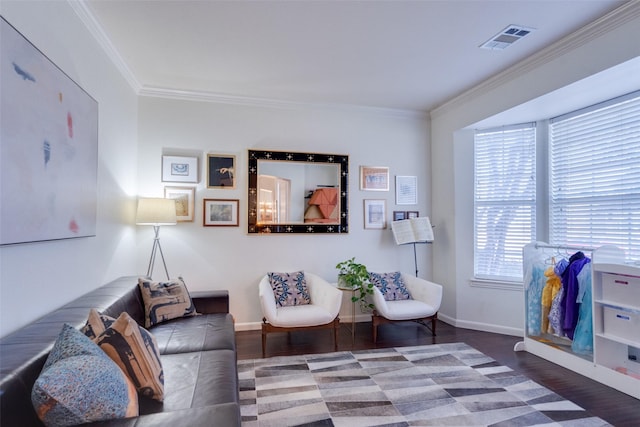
<point>507,37</point>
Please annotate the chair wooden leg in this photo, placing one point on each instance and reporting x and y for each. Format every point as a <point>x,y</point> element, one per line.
<point>434,318</point>
<point>336,328</point>
<point>264,337</point>
<point>374,325</point>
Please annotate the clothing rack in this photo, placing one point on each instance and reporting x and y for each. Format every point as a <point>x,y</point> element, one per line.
<point>614,343</point>
<point>543,247</point>
<point>573,248</point>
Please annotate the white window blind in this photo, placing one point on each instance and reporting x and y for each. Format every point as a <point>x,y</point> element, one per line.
<point>504,200</point>
<point>595,176</point>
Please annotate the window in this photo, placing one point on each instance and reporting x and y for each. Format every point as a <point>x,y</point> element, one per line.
<point>504,200</point>
<point>595,176</point>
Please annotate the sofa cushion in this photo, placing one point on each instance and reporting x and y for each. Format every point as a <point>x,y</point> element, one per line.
<point>80,384</point>
<point>289,288</point>
<point>391,285</point>
<point>165,300</point>
<point>195,380</point>
<point>198,333</point>
<point>135,351</point>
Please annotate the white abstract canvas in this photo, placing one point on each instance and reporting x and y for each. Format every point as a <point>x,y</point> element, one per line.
<point>48,147</point>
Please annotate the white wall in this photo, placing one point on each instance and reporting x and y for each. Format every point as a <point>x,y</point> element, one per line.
<point>229,258</point>
<point>36,278</point>
<point>530,86</point>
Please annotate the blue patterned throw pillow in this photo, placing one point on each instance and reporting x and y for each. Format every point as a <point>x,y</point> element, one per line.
<point>289,289</point>
<point>80,383</point>
<point>391,285</point>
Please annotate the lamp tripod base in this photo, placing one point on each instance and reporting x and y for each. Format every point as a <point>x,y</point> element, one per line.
<point>154,250</point>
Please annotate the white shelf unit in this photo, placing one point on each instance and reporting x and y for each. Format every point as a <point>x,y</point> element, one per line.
<point>616,323</point>
<point>616,327</point>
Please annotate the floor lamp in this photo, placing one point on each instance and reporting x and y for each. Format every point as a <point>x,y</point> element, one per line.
<point>156,212</point>
<point>414,231</point>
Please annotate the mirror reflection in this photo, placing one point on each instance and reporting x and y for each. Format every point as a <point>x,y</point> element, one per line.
<point>297,192</point>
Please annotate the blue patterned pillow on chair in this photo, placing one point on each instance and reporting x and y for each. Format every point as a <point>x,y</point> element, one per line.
<point>391,285</point>
<point>289,289</point>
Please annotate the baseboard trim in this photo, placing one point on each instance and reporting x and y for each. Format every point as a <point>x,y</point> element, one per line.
<point>465,324</point>
<point>479,326</point>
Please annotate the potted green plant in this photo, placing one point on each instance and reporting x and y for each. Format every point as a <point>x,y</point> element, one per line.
<point>352,275</point>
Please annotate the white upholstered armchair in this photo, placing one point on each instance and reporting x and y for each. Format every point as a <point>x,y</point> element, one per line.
<point>321,313</point>
<point>424,305</point>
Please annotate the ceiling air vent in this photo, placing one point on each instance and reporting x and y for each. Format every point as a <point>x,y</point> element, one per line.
<point>506,37</point>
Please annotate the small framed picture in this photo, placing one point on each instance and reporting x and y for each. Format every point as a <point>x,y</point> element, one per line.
<point>221,171</point>
<point>406,190</point>
<point>220,212</point>
<point>399,215</point>
<point>179,169</point>
<point>374,178</point>
<point>374,214</point>
<point>185,201</point>
<point>412,214</point>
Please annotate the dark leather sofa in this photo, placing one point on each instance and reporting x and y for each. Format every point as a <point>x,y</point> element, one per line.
<point>198,357</point>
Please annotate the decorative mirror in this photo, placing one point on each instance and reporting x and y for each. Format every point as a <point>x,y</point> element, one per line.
<point>293,192</point>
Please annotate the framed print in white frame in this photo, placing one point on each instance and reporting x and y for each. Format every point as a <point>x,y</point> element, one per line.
<point>375,214</point>
<point>374,178</point>
<point>179,169</point>
<point>185,201</point>
<point>220,212</point>
<point>221,171</point>
<point>406,190</point>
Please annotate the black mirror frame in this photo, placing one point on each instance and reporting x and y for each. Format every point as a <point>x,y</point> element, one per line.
<point>288,156</point>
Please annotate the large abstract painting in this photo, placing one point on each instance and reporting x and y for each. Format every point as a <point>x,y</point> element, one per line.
<point>48,147</point>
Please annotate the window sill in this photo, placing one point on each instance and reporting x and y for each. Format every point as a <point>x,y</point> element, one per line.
<point>496,284</point>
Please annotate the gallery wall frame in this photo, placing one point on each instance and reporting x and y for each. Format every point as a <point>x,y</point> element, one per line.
<point>220,212</point>
<point>185,201</point>
<point>48,147</point>
<point>179,169</point>
<point>374,178</point>
<point>406,190</point>
<point>375,214</point>
<point>399,215</point>
<point>221,171</point>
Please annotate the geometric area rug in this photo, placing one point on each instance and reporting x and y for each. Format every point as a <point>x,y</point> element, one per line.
<point>430,385</point>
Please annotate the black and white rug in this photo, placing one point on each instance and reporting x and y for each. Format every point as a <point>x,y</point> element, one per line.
<point>432,385</point>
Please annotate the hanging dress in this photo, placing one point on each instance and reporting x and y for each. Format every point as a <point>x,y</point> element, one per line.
<point>549,291</point>
<point>556,313</point>
<point>571,307</point>
<point>583,335</point>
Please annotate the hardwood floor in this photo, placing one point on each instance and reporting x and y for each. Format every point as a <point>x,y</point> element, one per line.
<point>615,407</point>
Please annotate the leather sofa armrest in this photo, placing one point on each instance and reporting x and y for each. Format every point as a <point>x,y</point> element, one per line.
<point>210,302</point>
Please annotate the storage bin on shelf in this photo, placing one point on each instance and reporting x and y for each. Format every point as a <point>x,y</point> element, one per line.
<point>620,289</point>
<point>621,323</point>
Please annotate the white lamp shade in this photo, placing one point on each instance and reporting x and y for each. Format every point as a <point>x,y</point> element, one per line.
<point>156,211</point>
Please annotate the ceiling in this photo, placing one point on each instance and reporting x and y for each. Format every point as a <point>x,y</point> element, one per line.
<point>405,55</point>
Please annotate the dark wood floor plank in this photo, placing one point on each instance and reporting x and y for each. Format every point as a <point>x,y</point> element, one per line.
<point>615,407</point>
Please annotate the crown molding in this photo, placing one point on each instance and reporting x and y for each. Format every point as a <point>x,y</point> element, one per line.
<point>201,96</point>
<point>620,16</point>
<point>94,27</point>
<point>91,23</point>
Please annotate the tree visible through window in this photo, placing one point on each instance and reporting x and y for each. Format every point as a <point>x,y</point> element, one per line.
<point>593,194</point>
<point>505,200</point>
<point>595,176</point>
